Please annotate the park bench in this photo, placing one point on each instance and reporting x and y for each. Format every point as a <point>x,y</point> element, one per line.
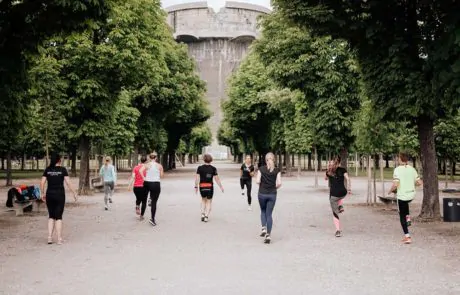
<point>387,200</point>
<point>97,184</point>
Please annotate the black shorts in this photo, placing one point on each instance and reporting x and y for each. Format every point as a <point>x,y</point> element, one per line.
<point>55,202</point>
<point>207,192</point>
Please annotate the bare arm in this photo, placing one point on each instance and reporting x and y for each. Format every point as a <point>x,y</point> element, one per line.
<point>162,173</point>
<point>418,182</point>
<point>394,187</point>
<point>131,181</point>
<point>197,182</point>
<point>42,187</point>
<point>278,180</point>
<point>69,185</point>
<point>347,178</point>
<point>258,177</point>
<point>219,183</point>
<point>141,172</point>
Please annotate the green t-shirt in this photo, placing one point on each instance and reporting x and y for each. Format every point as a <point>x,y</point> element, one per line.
<point>406,176</point>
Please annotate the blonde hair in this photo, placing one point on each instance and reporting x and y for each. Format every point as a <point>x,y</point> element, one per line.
<point>270,159</point>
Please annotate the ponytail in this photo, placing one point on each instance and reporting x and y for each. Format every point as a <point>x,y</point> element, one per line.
<point>270,159</point>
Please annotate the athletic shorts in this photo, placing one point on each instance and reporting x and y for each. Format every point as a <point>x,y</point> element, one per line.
<point>207,192</point>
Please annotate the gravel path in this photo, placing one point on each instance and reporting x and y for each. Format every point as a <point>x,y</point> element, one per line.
<point>114,253</point>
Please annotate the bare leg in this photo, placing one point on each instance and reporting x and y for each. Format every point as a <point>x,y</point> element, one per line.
<point>51,223</point>
<point>203,206</point>
<point>208,206</point>
<point>59,231</point>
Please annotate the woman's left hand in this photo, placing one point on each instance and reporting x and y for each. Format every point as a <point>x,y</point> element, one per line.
<point>75,196</point>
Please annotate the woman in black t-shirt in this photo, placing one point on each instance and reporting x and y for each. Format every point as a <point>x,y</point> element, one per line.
<point>337,177</point>
<point>55,175</point>
<point>269,180</point>
<point>246,174</point>
<point>204,182</point>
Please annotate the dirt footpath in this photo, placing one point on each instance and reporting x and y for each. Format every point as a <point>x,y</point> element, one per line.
<point>112,252</point>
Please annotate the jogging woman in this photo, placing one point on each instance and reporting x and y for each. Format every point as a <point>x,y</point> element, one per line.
<point>246,174</point>
<point>55,176</point>
<point>109,176</point>
<point>151,173</point>
<point>269,180</point>
<point>405,179</point>
<point>204,182</point>
<point>137,185</point>
<point>337,177</point>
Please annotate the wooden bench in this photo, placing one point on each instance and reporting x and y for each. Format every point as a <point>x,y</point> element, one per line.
<point>18,208</point>
<point>387,199</point>
<point>97,184</point>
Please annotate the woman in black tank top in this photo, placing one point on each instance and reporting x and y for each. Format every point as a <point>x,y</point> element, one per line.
<point>269,180</point>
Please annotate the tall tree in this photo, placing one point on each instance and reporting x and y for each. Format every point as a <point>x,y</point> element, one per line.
<point>409,56</point>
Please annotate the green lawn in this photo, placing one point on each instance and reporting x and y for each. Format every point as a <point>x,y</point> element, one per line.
<point>22,174</point>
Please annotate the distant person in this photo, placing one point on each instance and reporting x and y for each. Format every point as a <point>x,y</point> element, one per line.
<point>55,175</point>
<point>269,180</point>
<point>337,191</point>
<point>152,172</point>
<point>246,174</point>
<point>405,179</point>
<point>109,177</point>
<point>204,183</point>
<point>137,185</point>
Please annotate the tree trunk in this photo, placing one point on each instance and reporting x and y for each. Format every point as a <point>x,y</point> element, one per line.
<point>452,171</point>
<point>446,175</point>
<point>430,205</point>
<point>165,161</point>
<point>387,162</point>
<point>299,159</point>
<point>235,158</point>
<point>9,175</point>
<point>310,167</point>
<point>74,163</point>
<point>83,182</point>
<point>38,164</point>
<point>190,158</point>
<point>316,167</point>
<point>382,178</point>
<point>344,157</point>
<point>3,163</point>
<point>369,179</point>
<point>356,164</point>
<point>23,162</point>
<point>172,160</point>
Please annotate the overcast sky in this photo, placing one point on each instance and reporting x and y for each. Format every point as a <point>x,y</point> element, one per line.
<point>215,3</point>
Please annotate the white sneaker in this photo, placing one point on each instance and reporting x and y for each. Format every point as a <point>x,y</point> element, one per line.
<point>249,208</point>
<point>106,208</point>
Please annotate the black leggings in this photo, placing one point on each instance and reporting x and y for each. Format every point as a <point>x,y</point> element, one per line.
<point>141,194</point>
<point>154,189</point>
<point>248,183</point>
<point>403,212</point>
<point>55,203</point>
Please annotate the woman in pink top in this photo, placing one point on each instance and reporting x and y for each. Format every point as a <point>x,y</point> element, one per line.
<point>137,184</point>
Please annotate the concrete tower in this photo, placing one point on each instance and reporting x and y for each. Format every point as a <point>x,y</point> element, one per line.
<point>218,41</point>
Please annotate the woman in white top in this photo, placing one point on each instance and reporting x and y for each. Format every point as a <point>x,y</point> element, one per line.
<point>152,183</point>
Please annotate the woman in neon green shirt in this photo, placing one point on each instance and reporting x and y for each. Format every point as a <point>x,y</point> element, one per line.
<point>405,179</point>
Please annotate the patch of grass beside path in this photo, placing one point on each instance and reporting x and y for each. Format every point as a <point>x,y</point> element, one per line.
<point>22,174</point>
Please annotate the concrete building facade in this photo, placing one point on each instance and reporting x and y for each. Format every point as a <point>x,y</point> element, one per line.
<point>218,41</point>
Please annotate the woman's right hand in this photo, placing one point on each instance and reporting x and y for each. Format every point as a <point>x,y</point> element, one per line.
<point>44,198</point>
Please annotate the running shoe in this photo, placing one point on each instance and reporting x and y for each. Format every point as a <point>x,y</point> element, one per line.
<point>202,216</point>
<point>267,239</point>
<point>138,211</point>
<point>341,210</point>
<point>242,193</point>
<point>249,208</point>
<point>205,219</point>
<point>141,218</point>
<point>50,240</point>
<point>106,208</point>
<point>338,234</point>
<point>153,223</point>
<point>406,240</point>
<point>110,200</point>
<point>264,232</point>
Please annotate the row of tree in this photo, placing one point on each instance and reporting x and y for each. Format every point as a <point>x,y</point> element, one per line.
<point>116,84</point>
<point>363,76</point>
